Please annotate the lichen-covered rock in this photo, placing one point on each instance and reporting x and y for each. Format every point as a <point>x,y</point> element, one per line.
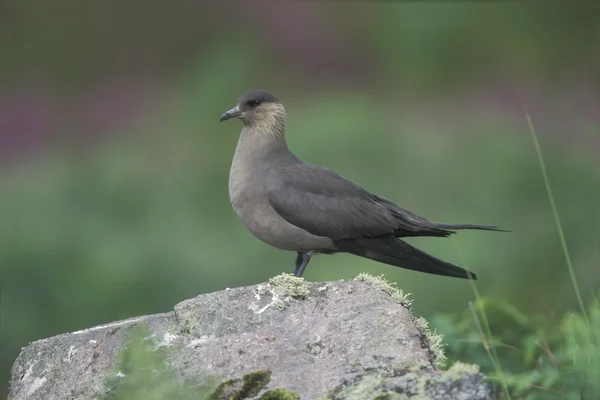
<point>460,382</point>
<point>284,339</point>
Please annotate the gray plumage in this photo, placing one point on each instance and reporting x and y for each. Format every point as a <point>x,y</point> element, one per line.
<point>293,205</point>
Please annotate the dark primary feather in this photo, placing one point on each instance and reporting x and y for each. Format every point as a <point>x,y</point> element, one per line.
<point>393,251</point>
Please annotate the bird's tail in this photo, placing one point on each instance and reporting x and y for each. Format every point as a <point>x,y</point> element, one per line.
<point>468,226</point>
<point>393,251</point>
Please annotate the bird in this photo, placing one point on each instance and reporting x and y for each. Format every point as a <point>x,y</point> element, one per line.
<point>296,206</point>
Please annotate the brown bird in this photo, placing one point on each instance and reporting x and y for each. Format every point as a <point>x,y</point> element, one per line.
<point>296,206</point>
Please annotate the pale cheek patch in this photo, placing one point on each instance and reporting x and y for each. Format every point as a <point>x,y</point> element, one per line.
<point>270,118</point>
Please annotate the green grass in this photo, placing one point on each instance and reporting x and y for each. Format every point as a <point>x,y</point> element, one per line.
<point>534,364</point>
<point>562,362</point>
<point>487,335</point>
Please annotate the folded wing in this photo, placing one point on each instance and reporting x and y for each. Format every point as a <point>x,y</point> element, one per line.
<point>326,204</point>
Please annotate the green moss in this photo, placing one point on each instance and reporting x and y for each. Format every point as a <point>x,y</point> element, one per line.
<point>434,340</point>
<point>391,396</point>
<point>254,382</point>
<point>382,284</point>
<point>279,394</point>
<point>226,389</point>
<point>239,389</point>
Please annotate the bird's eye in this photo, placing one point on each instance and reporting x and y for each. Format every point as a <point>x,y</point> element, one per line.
<point>253,103</point>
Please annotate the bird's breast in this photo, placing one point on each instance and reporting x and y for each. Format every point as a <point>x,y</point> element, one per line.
<point>248,195</point>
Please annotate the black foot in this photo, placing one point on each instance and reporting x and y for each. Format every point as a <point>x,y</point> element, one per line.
<point>301,262</point>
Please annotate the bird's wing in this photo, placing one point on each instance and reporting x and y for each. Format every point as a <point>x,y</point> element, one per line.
<point>326,204</point>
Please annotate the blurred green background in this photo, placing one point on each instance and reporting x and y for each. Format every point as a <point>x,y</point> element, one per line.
<point>114,166</point>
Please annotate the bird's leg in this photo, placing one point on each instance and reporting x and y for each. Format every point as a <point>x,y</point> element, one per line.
<point>299,259</point>
<point>301,262</point>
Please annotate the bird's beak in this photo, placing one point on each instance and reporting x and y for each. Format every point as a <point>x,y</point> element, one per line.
<point>233,113</point>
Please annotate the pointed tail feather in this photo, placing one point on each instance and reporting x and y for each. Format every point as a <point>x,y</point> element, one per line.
<point>393,251</point>
<point>468,226</point>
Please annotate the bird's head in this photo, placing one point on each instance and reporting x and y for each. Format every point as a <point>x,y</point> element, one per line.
<point>257,108</point>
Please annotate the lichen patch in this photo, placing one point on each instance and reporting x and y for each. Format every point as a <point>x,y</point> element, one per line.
<point>36,385</point>
<point>435,342</point>
<point>382,284</point>
<point>167,340</point>
<point>28,372</point>
<point>283,289</point>
<point>288,285</point>
<point>70,354</point>
<point>197,342</point>
<point>324,287</point>
<point>458,370</point>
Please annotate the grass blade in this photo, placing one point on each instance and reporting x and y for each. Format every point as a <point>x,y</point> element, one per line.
<point>561,234</point>
<point>486,345</point>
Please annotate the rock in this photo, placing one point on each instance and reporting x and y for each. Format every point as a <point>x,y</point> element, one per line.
<point>285,339</point>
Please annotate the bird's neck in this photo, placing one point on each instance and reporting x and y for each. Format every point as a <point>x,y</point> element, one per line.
<point>254,146</point>
<point>261,138</point>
